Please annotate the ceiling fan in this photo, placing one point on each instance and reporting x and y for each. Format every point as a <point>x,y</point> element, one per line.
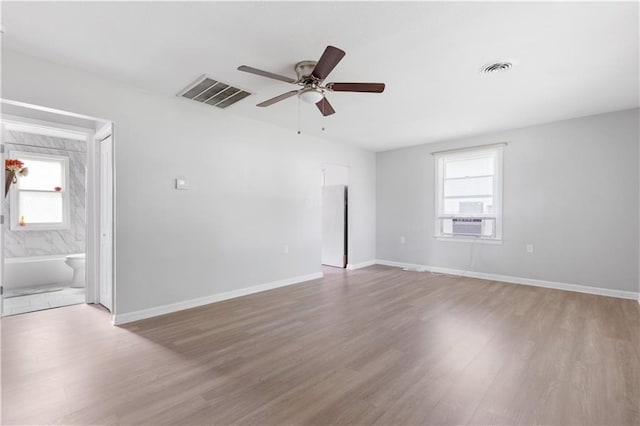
<point>311,75</point>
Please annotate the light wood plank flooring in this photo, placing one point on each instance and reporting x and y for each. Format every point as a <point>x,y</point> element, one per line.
<point>373,346</point>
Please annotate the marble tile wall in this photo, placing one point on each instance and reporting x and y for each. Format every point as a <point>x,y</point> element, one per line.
<point>45,243</point>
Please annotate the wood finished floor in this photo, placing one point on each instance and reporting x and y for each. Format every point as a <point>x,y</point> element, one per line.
<point>373,346</point>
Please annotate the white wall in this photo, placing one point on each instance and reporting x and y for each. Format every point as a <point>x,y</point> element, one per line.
<point>254,188</point>
<point>333,174</point>
<point>570,189</point>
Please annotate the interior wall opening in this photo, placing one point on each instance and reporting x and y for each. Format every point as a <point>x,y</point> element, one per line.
<point>52,254</point>
<point>335,215</point>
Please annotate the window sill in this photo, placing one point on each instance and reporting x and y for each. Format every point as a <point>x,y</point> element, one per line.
<point>27,228</point>
<point>469,240</point>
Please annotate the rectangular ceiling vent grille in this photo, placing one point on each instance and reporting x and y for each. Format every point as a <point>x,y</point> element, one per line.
<point>209,91</point>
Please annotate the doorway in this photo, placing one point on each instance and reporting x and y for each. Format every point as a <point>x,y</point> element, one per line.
<point>51,250</point>
<point>335,215</point>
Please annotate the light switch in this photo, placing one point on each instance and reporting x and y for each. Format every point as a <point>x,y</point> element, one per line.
<point>181,183</point>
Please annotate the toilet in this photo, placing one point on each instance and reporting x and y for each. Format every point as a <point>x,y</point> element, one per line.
<point>77,262</point>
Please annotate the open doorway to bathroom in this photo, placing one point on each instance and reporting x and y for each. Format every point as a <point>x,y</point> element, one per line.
<point>51,209</point>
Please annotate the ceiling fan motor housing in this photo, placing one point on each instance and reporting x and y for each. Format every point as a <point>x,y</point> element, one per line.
<point>304,70</point>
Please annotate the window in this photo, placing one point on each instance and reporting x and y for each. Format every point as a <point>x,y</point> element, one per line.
<point>40,200</point>
<point>469,194</point>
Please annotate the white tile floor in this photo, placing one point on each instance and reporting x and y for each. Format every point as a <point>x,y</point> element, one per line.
<point>37,302</point>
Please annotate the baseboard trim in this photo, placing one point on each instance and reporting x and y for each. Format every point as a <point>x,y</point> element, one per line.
<point>119,319</point>
<point>354,266</point>
<point>518,280</point>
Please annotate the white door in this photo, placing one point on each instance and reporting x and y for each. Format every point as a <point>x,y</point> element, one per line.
<point>334,225</point>
<point>105,296</point>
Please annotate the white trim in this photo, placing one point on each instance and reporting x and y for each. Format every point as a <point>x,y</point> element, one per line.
<point>468,240</point>
<point>30,259</point>
<point>114,218</point>
<point>50,128</point>
<point>354,266</point>
<point>491,145</point>
<point>50,110</point>
<point>119,319</point>
<point>104,132</point>
<point>633,295</point>
<point>38,129</point>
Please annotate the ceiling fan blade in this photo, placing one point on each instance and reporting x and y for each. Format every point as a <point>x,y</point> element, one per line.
<point>277,98</point>
<point>267,74</point>
<point>328,61</point>
<point>325,107</point>
<point>356,87</point>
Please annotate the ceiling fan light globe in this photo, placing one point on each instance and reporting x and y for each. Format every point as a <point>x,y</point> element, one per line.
<point>311,96</point>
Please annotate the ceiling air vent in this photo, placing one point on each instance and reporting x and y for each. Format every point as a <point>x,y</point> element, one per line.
<point>209,91</point>
<point>497,67</point>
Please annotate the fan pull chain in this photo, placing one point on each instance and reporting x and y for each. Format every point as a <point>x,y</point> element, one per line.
<point>298,114</point>
<point>324,102</point>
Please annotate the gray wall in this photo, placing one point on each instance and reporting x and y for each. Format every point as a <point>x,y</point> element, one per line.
<point>570,189</point>
<point>45,243</point>
<point>254,187</point>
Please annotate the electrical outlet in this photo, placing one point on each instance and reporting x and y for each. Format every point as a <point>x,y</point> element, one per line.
<point>285,249</point>
<point>529,248</point>
<point>403,240</point>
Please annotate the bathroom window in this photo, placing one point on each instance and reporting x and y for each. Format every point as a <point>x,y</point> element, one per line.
<point>40,200</point>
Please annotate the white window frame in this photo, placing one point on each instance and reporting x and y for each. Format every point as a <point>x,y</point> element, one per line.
<point>469,153</point>
<point>14,208</point>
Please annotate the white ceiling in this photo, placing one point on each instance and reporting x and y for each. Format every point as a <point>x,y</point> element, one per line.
<point>570,59</point>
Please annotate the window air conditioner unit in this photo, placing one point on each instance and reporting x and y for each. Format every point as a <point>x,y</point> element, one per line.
<point>469,226</point>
